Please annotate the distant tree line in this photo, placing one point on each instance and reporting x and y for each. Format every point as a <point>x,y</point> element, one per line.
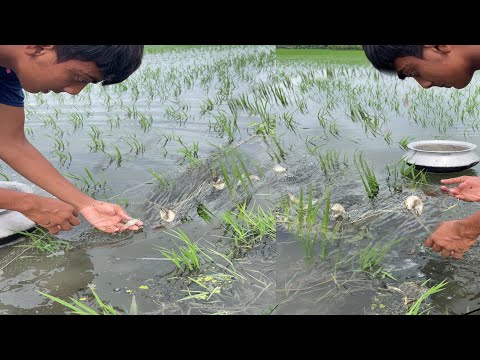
<point>334,47</point>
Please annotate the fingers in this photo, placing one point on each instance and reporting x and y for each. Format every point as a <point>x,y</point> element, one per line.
<point>436,247</point>
<point>122,213</point>
<point>74,220</point>
<point>455,180</point>
<point>428,242</point>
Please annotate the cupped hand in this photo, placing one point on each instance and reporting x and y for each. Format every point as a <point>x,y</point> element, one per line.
<point>451,238</point>
<point>52,214</point>
<point>108,217</point>
<point>467,190</point>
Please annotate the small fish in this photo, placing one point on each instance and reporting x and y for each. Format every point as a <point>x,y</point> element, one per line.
<point>278,168</point>
<point>168,215</point>
<point>131,222</point>
<point>219,184</point>
<point>338,211</point>
<point>414,203</point>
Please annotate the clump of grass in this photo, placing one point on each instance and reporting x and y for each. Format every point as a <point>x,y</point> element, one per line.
<point>415,307</point>
<point>369,180</point>
<point>101,308</point>
<point>43,241</point>
<point>234,166</point>
<point>371,257</point>
<point>402,174</point>
<point>204,213</point>
<point>246,227</point>
<point>186,256</point>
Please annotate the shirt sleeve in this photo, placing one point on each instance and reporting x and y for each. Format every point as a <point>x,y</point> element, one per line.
<point>11,92</point>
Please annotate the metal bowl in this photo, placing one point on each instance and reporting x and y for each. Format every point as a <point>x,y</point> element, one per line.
<point>441,156</point>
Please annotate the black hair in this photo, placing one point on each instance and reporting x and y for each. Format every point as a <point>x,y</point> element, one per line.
<point>383,56</point>
<point>115,62</point>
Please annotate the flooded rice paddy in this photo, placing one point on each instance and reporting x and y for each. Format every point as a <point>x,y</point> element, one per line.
<point>233,160</point>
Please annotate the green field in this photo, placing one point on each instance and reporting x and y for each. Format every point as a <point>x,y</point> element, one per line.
<point>154,49</point>
<point>347,57</point>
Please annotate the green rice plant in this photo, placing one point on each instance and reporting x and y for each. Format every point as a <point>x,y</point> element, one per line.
<point>186,256</point>
<point>371,257</point>
<point>369,180</point>
<point>113,122</point>
<point>246,227</point>
<point>100,308</point>
<point>234,166</point>
<point>41,240</point>
<point>405,141</point>
<point>28,131</point>
<point>95,136</point>
<point>134,144</point>
<point>161,179</point>
<point>88,182</point>
<point>63,157</point>
<point>191,154</point>
<point>204,213</point>
<point>76,119</point>
<point>145,122</point>
<point>415,307</point>
<point>4,175</point>
<point>401,174</point>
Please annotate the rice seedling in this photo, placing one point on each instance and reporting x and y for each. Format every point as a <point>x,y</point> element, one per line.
<point>210,284</point>
<point>372,255</point>
<point>405,141</point>
<point>76,119</point>
<point>204,213</point>
<point>41,240</point>
<point>246,227</point>
<point>63,157</point>
<point>98,308</point>
<point>88,182</point>
<point>234,166</point>
<point>369,180</point>
<point>186,256</point>
<point>134,144</point>
<point>415,307</point>
<point>402,175</point>
<point>160,178</point>
<point>191,154</point>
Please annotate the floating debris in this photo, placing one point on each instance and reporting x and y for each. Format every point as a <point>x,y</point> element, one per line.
<point>338,211</point>
<point>168,215</point>
<point>278,168</point>
<point>131,222</point>
<point>414,203</point>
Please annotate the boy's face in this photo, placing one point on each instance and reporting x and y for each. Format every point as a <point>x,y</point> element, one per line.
<point>38,71</point>
<point>442,66</point>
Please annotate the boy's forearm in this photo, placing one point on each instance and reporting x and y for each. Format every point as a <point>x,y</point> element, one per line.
<point>17,201</point>
<point>31,164</point>
<point>472,224</point>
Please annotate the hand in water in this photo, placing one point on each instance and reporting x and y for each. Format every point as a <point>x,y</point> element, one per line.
<point>108,217</point>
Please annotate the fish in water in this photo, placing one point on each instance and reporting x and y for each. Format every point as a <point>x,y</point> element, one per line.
<point>338,211</point>
<point>278,168</point>
<point>168,215</point>
<point>414,203</point>
<point>131,222</point>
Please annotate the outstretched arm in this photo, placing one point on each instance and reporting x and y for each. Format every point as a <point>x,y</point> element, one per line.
<point>16,151</point>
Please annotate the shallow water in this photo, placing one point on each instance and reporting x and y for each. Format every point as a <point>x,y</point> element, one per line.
<point>326,119</point>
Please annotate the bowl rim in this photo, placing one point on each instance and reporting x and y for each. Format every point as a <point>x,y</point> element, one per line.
<point>412,146</point>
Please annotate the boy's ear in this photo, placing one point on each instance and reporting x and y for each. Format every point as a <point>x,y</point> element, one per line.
<point>441,49</point>
<point>36,50</point>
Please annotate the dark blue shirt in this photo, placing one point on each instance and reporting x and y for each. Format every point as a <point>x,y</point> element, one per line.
<point>11,92</point>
